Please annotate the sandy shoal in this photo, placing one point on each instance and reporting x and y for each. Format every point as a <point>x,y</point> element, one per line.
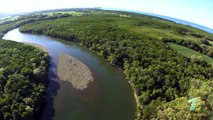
<point>74,71</point>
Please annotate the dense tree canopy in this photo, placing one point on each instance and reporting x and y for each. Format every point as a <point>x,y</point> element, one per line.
<point>7,25</point>
<point>163,79</point>
<point>23,81</point>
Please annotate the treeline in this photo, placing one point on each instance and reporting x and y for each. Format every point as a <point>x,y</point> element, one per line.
<point>183,35</point>
<point>160,76</point>
<point>25,19</point>
<point>203,46</point>
<point>23,81</point>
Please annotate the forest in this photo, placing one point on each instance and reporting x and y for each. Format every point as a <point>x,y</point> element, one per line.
<point>11,23</point>
<point>23,81</point>
<point>163,79</point>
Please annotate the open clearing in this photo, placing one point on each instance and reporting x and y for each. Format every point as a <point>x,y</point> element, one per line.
<point>189,52</point>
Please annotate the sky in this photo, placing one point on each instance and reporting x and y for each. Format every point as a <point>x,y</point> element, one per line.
<point>196,11</point>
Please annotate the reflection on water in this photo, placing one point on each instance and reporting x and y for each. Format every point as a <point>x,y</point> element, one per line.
<point>110,97</point>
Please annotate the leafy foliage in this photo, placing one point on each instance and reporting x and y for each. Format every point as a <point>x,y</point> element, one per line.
<point>159,75</point>
<point>22,82</point>
<point>24,19</point>
<point>179,108</point>
<point>194,55</point>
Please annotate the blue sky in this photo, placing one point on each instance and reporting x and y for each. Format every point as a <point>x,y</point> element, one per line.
<point>196,11</point>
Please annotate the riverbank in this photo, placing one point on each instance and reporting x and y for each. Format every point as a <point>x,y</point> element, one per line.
<point>138,105</point>
<point>74,71</point>
<point>23,57</point>
<point>37,46</point>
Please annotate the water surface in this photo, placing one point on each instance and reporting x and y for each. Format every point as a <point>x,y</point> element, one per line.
<point>110,97</point>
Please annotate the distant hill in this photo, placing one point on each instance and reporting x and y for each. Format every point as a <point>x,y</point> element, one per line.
<point>2,15</point>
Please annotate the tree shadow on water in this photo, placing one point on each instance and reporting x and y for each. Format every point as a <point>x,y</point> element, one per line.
<point>52,89</point>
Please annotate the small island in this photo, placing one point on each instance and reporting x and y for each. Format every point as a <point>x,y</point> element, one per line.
<point>74,71</point>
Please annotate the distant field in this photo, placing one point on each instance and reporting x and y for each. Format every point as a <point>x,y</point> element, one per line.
<point>189,52</point>
<point>74,13</point>
<point>9,18</point>
<point>211,42</point>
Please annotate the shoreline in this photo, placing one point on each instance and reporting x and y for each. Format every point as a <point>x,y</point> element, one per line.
<point>74,71</point>
<point>136,100</point>
<point>37,46</point>
<point>88,83</point>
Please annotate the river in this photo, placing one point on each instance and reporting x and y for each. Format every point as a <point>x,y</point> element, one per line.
<point>110,97</point>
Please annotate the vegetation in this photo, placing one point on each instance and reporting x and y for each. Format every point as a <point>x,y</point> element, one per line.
<point>162,78</point>
<point>191,53</point>
<point>179,108</point>
<point>23,81</point>
<point>18,21</point>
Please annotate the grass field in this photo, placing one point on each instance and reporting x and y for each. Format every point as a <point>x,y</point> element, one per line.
<point>189,52</point>
<point>74,13</point>
<point>11,18</point>
<point>211,42</point>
